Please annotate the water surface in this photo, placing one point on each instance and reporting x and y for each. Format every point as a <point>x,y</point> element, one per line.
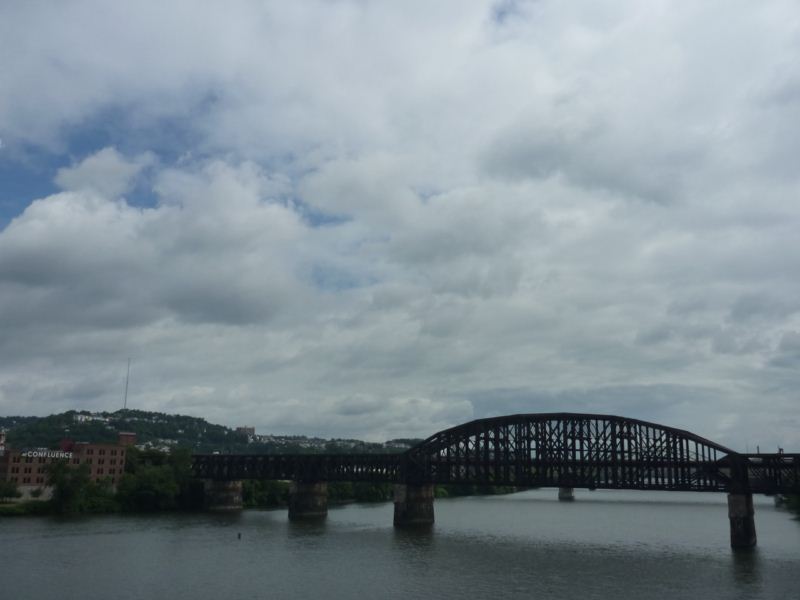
<point>606,544</point>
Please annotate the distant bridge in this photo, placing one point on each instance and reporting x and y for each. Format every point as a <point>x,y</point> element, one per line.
<point>565,450</point>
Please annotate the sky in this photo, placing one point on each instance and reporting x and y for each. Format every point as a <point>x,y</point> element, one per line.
<point>380,219</point>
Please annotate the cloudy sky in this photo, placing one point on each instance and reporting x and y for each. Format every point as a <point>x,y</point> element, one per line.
<point>380,219</point>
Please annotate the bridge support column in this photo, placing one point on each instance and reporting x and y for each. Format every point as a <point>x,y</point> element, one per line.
<point>222,495</point>
<point>566,493</point>
<point>308,500</point>
<point>743,526</point>
<point>413,504</point>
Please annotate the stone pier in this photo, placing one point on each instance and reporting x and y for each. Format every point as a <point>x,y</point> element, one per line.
<point>223,495</point>
<point>308,500</point>
<point>743,526</point>
<point>413,504</point>
<point>566,493</point>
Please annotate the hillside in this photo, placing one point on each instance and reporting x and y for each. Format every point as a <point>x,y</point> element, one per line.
<point>164,431</point>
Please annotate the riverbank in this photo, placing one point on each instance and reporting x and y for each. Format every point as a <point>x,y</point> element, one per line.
<point>136,497</point>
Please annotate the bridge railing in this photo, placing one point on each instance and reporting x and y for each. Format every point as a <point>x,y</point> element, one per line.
<point>774,473</point>
<point>299,467</point>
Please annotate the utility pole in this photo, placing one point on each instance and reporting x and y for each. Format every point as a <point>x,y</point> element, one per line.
<point>127,377</point>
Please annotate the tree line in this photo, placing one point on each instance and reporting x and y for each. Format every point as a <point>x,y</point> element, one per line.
<point>159,481</point>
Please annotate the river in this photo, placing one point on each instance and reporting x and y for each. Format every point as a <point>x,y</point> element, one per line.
<point>604,545</point>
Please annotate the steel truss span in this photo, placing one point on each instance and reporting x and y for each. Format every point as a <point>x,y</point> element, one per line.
<point>527,450</point>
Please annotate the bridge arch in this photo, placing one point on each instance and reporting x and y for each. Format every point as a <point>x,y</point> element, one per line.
<point>575,450</point>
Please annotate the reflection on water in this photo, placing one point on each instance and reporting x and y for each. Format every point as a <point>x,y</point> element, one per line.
<point>603,545</point>
<point>307,528</point>
<point>746,566</point>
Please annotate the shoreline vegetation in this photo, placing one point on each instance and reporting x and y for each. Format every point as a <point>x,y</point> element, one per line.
<point>159,478</point>
<point>156,481</point>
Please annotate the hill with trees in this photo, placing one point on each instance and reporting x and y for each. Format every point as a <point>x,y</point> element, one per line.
<point>164,431</point>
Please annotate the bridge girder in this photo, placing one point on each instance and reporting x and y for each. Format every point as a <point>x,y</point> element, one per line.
<point>527,450</point>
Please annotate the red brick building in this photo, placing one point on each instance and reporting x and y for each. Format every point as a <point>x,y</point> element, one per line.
<point>28,468</point>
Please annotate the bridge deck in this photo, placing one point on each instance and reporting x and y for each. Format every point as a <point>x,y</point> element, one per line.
<point>553,449</point>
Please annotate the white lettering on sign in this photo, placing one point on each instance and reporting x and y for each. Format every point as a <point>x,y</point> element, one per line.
<point>46,454</point>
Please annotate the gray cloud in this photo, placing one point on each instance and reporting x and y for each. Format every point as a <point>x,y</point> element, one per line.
<point>106,172</point>
<point>519,207</point>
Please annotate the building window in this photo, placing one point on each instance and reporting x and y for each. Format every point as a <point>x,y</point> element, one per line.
<point>113,461</point>
<point>76,461</point>
<point>16,459</point>
<point>87,461</point>
<point>101,461</point>
<point>99,471</point>
<point>102,451</point>
<point>89,451</point>
<point>28,459</point>
<point>41,459</point>
<point>113,453</point>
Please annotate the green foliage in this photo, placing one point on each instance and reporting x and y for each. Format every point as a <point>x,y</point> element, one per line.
<point>343,491</point>
<point>174,431</point>
<point>151,488</point>
<point>159,481</point>
<point>265,493</point>
<point>179,430</point>
<point>46,432</point>
<point>100,497</point>
<point>372,492</point>
<point>8,489</point>
<point>466,489</point>
<point>152,481</point>
<point>340,491</point>
<point>271,494</point>
<point>21,509</point>
<point>74,492</point>
<point>69,487</point>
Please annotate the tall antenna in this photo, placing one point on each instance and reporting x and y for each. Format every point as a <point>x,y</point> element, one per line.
<point>127,377</point>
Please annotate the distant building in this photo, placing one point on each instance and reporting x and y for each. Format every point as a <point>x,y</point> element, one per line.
<point>27,468</point>
<point>85,418</point>
<point>248,431</point>
<point>127,438</point>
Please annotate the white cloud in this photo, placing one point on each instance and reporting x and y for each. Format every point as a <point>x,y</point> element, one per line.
<point>106,173</point>
<point>375,233</point>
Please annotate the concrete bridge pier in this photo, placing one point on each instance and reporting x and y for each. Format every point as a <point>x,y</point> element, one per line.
<point>566,493</point>
<point>743,526</point>
<point>222,495</point>
<point>308,500</point>
<point>413,504</point>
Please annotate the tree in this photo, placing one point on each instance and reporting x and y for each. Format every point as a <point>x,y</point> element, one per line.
<point>8,489</point>
<point>151,488</point>
<point>70,487</point>
<point>159,481</point>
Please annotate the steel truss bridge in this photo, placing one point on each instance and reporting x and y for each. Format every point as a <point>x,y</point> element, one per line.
<point>537,450</point>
